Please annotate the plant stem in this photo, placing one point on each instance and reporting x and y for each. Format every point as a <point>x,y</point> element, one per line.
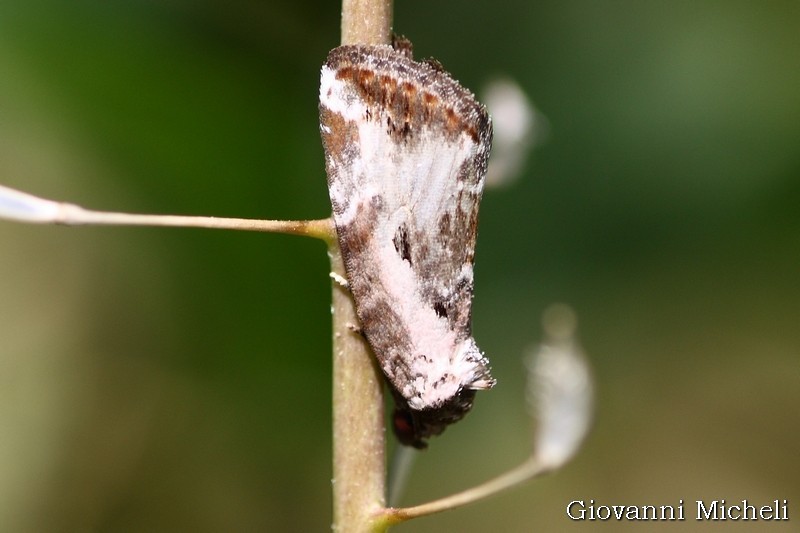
<point>367,21</point>
<point>359,466</point>
<point>359,463</point>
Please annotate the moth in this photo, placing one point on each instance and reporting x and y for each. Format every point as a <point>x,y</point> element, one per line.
<point>406,150</point>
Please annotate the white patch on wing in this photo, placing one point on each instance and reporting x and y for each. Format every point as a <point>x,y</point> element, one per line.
<point>418,203</point>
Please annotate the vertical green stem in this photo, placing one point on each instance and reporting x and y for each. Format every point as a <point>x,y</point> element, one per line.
<point>367,21</point>
<point>359,463</point>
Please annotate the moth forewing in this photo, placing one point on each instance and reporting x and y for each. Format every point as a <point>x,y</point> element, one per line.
<point>406,149</point>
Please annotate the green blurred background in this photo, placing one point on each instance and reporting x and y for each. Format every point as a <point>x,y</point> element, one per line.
<point>179,380</point>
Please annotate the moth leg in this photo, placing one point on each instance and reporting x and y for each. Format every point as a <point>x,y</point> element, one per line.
<point>339,280</point>
<point>342,282</point>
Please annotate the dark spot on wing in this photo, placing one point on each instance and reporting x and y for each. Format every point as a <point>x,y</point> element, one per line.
<point>441,310</point>
<point>402,244</point>
<point>463,284</point>
<point>376,202</point>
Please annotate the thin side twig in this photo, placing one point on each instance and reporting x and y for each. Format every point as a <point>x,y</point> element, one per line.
<point>524,472</point>
<point>23,207</point>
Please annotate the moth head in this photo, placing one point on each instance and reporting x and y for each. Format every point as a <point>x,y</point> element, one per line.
<point>413,426</point>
